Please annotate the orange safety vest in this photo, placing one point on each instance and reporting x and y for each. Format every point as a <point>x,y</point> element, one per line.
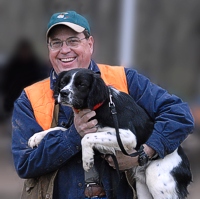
<point>41,96</point>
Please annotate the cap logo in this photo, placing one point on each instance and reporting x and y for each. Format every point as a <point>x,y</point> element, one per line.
<point>60,16</point>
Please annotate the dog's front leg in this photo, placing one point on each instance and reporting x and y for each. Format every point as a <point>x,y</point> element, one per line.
<point>87,151</point>
<point>35,140</point>
<point>105,141</point>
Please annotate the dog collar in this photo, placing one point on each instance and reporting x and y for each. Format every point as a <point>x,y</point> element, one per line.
<point>97,106</point>
<point>94,108</point>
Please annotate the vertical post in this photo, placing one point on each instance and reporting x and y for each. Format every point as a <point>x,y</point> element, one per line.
<point>127,26</point>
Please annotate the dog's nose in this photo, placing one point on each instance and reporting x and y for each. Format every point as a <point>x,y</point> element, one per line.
<point>64,93</point>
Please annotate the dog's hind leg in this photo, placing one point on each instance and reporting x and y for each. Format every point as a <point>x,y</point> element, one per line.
<point>143,191</point>
<point>159,179</point>
<point>141,186</point>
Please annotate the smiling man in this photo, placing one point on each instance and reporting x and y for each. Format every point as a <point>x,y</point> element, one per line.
<point>70,46</point>
<point>54,168</point>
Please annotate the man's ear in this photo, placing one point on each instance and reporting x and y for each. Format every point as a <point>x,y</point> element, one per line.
<point>91,44</point>
<point>98,92</point>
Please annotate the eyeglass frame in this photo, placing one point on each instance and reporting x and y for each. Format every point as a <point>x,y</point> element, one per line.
<point>67,42</point>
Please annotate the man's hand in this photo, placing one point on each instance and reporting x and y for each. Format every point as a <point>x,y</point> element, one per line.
<point>82,123</point>
<point>124,162</point>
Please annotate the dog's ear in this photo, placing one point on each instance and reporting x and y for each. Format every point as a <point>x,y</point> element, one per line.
<point>56,86</point>
<point>98,93</point>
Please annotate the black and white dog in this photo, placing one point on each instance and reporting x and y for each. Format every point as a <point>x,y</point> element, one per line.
<point>166,178</point>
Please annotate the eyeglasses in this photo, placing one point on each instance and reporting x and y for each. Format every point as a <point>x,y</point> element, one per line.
<point>72,42</point>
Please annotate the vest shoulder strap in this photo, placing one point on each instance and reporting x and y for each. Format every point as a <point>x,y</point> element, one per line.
<point>42,102</point>
<point>114,76</point>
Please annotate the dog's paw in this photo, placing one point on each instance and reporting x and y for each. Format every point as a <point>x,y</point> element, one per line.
<point>88,163</point>
<point>35,140</point>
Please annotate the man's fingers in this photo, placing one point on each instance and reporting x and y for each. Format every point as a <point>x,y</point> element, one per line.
<point>83,112</point>
<point>88,125</point>
<point>92,123</point>
<point>82,122</point>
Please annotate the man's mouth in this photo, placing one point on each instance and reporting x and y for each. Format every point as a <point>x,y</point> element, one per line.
<point>66,60</point>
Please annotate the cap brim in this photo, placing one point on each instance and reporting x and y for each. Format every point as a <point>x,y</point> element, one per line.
<point>73,26</point>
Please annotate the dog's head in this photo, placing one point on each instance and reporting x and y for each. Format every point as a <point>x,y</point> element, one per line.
<point>80,88</point>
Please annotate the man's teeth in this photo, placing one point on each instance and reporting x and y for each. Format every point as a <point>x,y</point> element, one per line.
<point>67,59</point>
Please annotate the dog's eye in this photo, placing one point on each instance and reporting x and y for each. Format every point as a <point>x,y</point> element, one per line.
<point>61,84</point>
<point>81,85</point>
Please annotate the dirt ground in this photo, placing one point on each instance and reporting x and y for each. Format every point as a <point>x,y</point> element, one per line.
<point>11,185</point>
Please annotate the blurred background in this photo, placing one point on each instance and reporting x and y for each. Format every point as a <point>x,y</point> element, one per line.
<point>160,39</point>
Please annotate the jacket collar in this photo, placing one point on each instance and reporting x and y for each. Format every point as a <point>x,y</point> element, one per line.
<point>93,66</point>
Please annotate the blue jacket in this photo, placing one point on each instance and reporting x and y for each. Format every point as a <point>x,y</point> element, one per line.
<point>62,150</point>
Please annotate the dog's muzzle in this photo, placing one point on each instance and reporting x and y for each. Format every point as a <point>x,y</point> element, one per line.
<point>94,190</point>
<point>65,97</point>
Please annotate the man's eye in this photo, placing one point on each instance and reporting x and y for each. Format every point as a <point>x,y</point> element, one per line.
<point>73,41</point>
<point>56,43</point>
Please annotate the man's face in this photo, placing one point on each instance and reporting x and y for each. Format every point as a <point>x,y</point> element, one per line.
<point>66,57</point>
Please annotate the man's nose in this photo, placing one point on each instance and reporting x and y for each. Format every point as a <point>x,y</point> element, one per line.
<point>65,47</point>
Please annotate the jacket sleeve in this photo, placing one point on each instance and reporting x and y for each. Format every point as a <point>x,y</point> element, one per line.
<point>172,117</point>
<point>54,150</point>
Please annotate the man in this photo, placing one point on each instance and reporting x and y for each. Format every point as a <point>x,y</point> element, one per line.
<point>70,45</point>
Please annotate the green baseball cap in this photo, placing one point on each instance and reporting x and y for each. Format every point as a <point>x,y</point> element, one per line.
<point>71,19</point>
